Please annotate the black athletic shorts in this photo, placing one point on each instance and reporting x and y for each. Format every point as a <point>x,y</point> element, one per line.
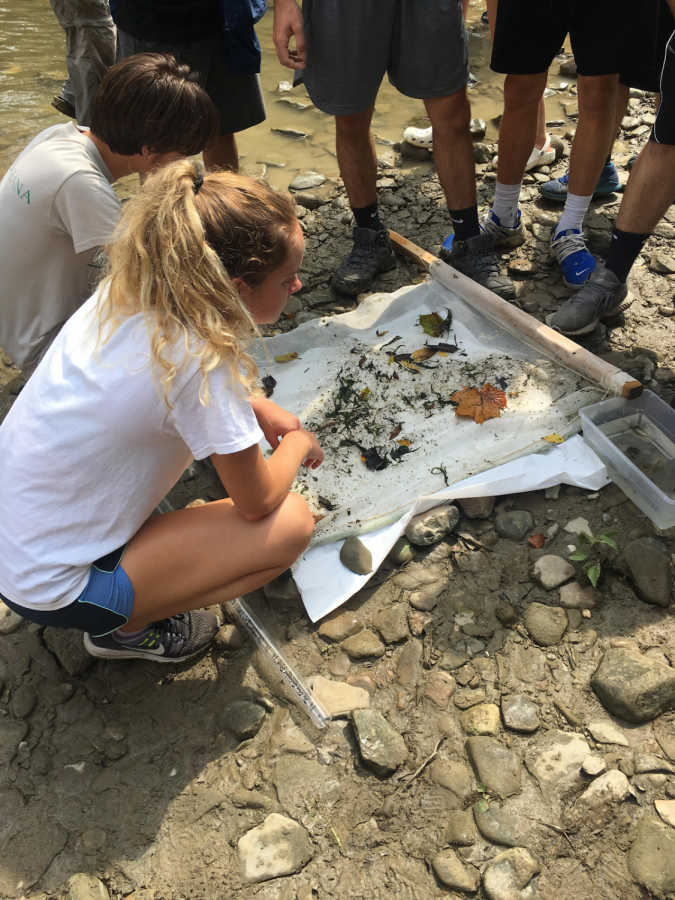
<point>649,78</point>
<point>663,131</point>
<point>605,36</point>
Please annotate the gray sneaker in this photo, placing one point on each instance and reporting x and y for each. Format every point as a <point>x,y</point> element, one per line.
<point>371,254</point>
<point>171,640</point>
<point>476,258</point>
<point>602,296</point>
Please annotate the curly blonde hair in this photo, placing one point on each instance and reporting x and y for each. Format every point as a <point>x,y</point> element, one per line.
<point>173,257</point>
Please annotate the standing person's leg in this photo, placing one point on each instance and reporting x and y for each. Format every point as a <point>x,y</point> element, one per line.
<point>430,61</point>
<point>649,193</point>
<point>90,52</point>
<point>527,36</point>
<point>240,105</point>
<point>348,49</point>
<point>542,154</point>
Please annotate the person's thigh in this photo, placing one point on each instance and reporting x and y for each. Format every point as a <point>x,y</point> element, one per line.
<point>238,98</point>
<point>648,78</point>
<point>190,553</point>
<point>429,49</point>
<point>197,55</point>
<point>604,44</point>
<point>663,131</point>
<point>348,50</point>
<point>528,34</point>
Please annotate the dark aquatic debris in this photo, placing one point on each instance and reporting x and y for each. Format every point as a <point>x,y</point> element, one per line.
<point>269,382</point>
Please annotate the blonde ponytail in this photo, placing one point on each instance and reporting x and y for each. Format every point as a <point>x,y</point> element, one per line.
<point>173,258</point>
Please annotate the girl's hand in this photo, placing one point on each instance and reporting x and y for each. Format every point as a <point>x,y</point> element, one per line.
<point>316,454</point>
<point>274,421</point>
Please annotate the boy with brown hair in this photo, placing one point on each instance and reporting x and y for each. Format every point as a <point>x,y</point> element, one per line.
<point>57,205</point>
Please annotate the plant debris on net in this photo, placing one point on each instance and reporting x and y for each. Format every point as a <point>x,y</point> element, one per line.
<point>409,393</point>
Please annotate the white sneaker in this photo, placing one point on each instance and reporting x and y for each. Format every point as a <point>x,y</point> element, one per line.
<point>541,157</point>
<point>421,137</point>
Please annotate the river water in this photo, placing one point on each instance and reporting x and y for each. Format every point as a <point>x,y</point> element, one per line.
<point>32,69</point>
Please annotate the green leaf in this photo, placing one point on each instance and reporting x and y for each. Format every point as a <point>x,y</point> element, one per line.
<point>593,574</point>
<point>578,555</point>
<point>482,806</point>
<point>584,538</point>
<point>608,541</point>
<point>480,787</point>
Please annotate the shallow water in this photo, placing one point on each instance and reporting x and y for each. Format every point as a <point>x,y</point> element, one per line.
<point>32,69</point>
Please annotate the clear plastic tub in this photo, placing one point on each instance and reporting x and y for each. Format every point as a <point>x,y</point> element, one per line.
<point>636,441</point>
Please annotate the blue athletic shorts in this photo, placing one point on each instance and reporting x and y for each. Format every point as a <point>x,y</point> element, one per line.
<point>104,605</point>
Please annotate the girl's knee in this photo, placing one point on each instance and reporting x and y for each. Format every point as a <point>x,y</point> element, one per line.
<point>299,522</point>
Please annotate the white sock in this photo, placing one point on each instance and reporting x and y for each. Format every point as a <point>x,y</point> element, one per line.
<point>576,208</point>
<point>505,206</point>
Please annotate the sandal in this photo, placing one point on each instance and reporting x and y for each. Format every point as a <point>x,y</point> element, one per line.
<point>419,137</point>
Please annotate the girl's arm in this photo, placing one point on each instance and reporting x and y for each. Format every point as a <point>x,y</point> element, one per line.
<point>257,485</point>
<point>274,421</point>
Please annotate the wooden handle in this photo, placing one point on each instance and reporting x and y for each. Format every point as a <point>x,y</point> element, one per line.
<point>517,322</point>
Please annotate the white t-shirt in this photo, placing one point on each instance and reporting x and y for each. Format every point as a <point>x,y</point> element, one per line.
<point>90,448</point>
<point>56,207</point>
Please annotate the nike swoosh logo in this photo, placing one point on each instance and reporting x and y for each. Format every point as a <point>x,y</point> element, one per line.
<point>458,221</point>
<point>583,271</point>
<point>158,650</point>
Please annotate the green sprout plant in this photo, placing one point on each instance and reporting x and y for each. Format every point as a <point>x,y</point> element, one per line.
<point>594,555</point>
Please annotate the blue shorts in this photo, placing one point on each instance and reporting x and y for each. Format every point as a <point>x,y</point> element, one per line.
<point>104,605</point>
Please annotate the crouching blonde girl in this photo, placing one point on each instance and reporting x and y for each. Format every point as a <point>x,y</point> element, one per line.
<point>150,373</point>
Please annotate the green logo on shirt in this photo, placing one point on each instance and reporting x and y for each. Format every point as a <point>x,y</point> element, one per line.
<point>13,179</point>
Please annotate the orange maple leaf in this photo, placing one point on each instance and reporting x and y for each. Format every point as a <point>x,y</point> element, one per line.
<point>479,405</point>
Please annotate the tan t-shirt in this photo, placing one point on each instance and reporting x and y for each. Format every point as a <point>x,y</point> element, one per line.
<point>57,207</point>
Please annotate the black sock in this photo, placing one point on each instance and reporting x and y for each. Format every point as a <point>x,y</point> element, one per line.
<point>368,217</point>
<point>623,251</point>
<point>465,222</point>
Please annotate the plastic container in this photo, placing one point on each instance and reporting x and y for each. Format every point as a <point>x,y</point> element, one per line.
<point>636,441</point>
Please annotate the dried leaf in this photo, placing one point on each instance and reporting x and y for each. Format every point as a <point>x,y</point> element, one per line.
<point>424,353</point>
<point>365,393</point>
<point>404,442</point>
<point>381,333</point>
<point>411,366</point>
<point>537,541</point>
<point>395,433</point>
<point>286,357</point>
<point>554,439</point>
<point>317,518</point>
<point>361,362</point>
<point>442,353</point>
<point>395,376</point>
<point>479,405</point>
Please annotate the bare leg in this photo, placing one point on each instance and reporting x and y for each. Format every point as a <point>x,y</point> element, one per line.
<point>222,154</point>
<point>210,554</point>
<point>465,8</point>
<point>595,133</point>
<point>518,130</point>
<point>356,157</point>
<point>650,189</point>
<point>620,108</point>
<point>453,148</point>
<point>540,140</point>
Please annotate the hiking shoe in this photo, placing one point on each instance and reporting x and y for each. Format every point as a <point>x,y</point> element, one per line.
<point>505,235</point>
<point>63,106</point>
<point>558,188</point>
<point>476,259</point>
<point>372,253</point>
<point>541,157</point>
<point>171,640</point>
<point>576,261</point>
<point>602,296</point>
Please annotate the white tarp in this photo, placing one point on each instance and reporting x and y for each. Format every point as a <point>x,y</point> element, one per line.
<point>347,386</point>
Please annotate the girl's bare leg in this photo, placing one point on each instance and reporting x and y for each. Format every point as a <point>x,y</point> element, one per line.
<point>210,554</point>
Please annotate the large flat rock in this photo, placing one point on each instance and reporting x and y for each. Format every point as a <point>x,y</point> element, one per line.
<point>633,687</point>
<point>497,767</point>
<point>278,847</point>
<point>651,860</point>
